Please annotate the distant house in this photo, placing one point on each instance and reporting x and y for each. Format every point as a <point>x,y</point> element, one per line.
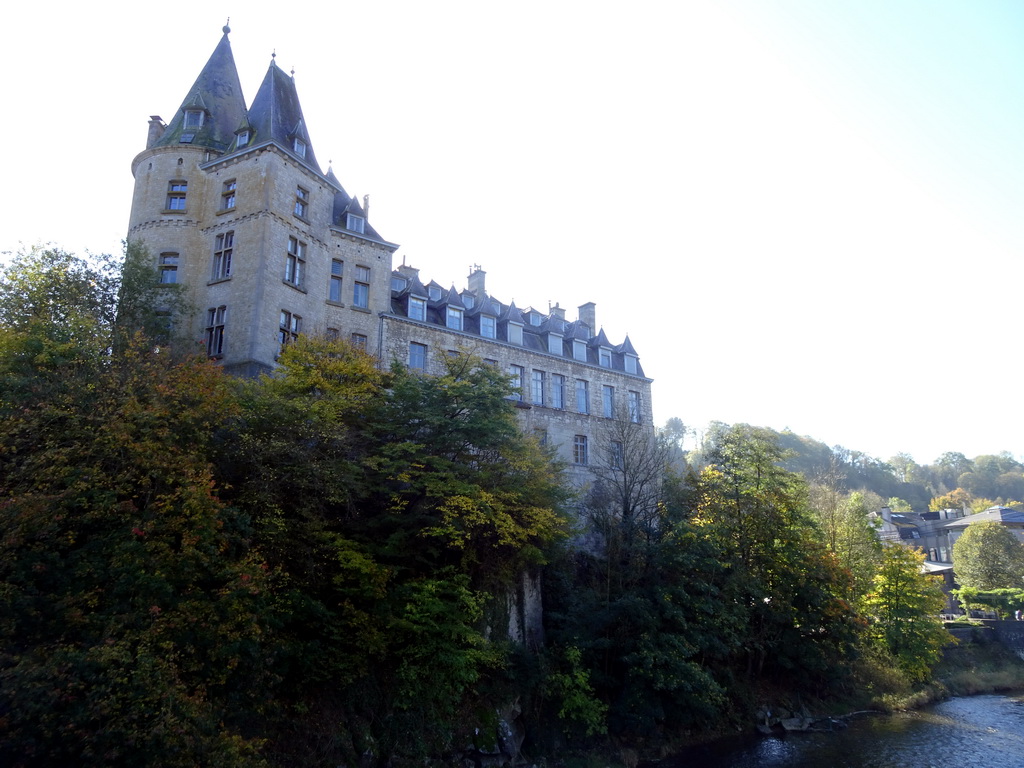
<point>1011,519</point>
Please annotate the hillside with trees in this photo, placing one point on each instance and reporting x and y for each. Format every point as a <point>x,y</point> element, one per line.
<point>324,566</point>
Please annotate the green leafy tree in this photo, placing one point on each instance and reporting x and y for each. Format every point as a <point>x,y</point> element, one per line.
<point>904,607</point>
<point>955,499</point>
<point>793,593</point>
<point>131,604</point>
<point>988,556</point>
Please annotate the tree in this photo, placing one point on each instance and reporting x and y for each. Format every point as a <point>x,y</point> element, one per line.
<point>988,556</point>
<point>904,607</point>
<point>899,506</point>
<point>131,604</point>
<point>904,467</point>
<point>790,589</point>
<point>958,498</point>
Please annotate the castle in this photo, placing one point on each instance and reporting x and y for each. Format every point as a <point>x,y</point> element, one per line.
<point>230,201</point>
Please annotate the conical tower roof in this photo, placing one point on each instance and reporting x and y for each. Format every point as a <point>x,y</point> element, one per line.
<point>276,115</point>
<point>217,96</point>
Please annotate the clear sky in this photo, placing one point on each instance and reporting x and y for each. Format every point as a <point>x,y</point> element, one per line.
<point>805,214</point>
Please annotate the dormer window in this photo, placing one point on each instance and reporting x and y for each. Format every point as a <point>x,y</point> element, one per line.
<point>194,118</point>
<point>605,357</point>
<point>515,333</point>
<point>300,147</point>
<point>355,223</point>
<point>243,139</point>
<point>454,318</point>
<point>469,300</point>
<point>579,350</point>
<point>554,344</point>
<point>535,318</point>
<point>487,326</point>
<point>630,364</point>
<point>435,293</point>
<point>417,308</point>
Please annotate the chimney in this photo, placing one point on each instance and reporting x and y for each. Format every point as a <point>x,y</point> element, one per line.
<point>156,130</point>
<point>408,272</point>
<point>588,315</point>
<point>475,280</point>
<point>557,312</point>
<point>366,207</point>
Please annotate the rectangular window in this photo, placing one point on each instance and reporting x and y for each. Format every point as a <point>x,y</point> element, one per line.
<point>558,391</point>
<point>224,246</point>
<point>359,341</point>
<point>540,435</point>
<point>355,223</point>
<point>417,356</point>
<point>579,350</point>
<point>634,407</point>
<point>243,139</point>
<point>454,318</point>
<point>176,195</point>
<point>193,118</point>
<point>168,267</point>
<point>361,289</point>
<point>607,401</point>
<point>630,364</point>
<point>518,374</point>
<point>515,333</point>
<point>295,262</point>
<point>300,147</point>
<point>216,319</point>
<point>487,327</point>
<point>301,202</point>
<point>582,396</point>
<point>554,344</point>
<point>537,387</point>
<point>615,454</point>
<point>417,308</point>
<point>579,449</point>
<point>334,290</point>
<point>291,327</point>
<point>228,195</point>
<point>605,357</point>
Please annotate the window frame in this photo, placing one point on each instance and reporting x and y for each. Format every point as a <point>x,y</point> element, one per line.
<point>418,354</point>
<point>608,401</point>
<point>177,194</point>
<point>228,193</point>
<point>518,374</point>
<point>336,281</point>
<point>295,262</point>
<point>216,322</point>
<point>167,264</point>
<point>558,391</point>
<point>580,452</point>
<point>301,203</point>
<point>582,396</point>
<point>417,308</point>
<point>361,287</point>
<point>289,328</point>
<point>537,387</point>
<point>223,255</point>
<point>633,400</point>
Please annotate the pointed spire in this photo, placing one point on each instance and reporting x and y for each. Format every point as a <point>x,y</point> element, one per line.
<point>214,105</point>
<point>277,115</point>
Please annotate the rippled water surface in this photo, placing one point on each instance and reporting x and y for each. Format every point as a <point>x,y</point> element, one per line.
<point>974,731</point>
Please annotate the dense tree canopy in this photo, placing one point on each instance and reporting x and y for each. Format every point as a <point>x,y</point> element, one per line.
<point>989,556</point>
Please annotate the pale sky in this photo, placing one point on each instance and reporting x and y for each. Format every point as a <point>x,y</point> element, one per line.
<point>805,214</point>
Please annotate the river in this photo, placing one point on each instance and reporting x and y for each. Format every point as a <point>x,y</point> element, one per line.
<point>974,731</point>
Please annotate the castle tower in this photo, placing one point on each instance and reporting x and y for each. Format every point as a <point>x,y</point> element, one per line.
<point>230,202</point>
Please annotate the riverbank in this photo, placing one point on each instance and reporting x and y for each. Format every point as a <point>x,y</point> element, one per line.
<point>972,666</point>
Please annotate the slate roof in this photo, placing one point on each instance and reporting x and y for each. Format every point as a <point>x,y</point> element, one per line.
<point>990,515</point>
<point>276,115</point>
<point>535,337</point>
<point>218,93</point>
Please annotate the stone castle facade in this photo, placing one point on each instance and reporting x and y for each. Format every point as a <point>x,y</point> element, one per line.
<point>230,201</point>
